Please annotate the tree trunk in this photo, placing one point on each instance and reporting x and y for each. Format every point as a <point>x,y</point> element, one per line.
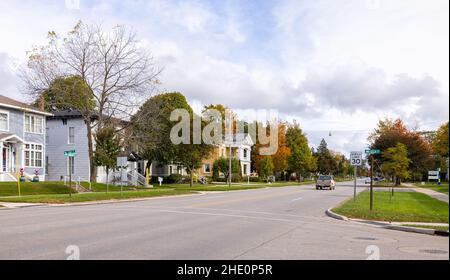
<point>192,178</point>
<point>107,181</point>
<point>93,168</point>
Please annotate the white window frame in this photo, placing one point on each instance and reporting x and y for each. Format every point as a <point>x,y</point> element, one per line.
<point>34,129</point>
<point>32,152</point>
<point>68,135</point>
<point>7,120</point>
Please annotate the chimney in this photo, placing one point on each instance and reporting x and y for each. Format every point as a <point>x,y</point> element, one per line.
<point>42,102</point>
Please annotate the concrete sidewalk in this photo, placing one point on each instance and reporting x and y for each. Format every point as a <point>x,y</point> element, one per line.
<point>9,205</point>
<point>432,193</point>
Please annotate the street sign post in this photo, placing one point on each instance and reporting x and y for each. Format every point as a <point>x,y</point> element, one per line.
<point>70,154</point>
<point>372,152</point>
<point>356,159</point>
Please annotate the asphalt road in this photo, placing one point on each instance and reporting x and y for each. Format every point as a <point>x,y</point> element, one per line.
<point>273,223</point>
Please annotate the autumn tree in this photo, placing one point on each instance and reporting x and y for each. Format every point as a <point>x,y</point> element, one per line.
<point>281,158</point>
<point>119,73</point>
<point>440,141</point>
<point>396,162</point>
<point>388,133</point>
<point>300,160</point>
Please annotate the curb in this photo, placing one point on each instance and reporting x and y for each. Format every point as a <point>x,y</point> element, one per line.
<point>336,216</point>
<point>389,226</point>
<point>411,229</point>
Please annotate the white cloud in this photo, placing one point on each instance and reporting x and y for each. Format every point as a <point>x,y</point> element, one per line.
<point>332,65</point>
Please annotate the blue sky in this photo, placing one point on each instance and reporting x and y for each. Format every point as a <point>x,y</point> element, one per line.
<point>333,65</point>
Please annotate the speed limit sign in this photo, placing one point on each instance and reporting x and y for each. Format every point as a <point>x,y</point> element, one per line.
<point>356,158</point>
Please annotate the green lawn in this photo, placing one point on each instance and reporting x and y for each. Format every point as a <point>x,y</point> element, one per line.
<point>428,227</point>
<point>61,199</point>
<point>28,188</point>
<point>404,207</point>
<point>56,192</point>
<point>443,188</point>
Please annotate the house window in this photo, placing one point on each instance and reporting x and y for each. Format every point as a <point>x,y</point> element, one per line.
<point>170,170</point>
<point>245,153</point>
<point>33,155</point>
<point>4,121</point>
<point>71,135</point>
<point>34,124</point>
<point>207,168</point>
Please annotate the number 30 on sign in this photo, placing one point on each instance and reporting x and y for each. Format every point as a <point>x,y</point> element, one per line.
<point>356,158</point>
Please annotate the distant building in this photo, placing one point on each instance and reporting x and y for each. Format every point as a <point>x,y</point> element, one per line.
<point>241,147</point>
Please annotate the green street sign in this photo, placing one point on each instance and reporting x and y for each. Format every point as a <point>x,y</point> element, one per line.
<point>373,152</point>
<point>71,153</point>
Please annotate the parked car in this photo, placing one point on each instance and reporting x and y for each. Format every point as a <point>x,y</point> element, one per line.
<point>367,181</point>
<point>325,181</point>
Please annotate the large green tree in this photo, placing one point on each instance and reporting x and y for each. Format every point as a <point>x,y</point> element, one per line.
<point>153,127</point>
<point>67,93</point>
<point>326,163</point>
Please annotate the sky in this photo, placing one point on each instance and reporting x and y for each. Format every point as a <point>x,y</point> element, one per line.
<point>334,66</point>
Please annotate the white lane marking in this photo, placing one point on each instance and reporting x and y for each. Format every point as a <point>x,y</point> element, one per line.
<point>297,199</point>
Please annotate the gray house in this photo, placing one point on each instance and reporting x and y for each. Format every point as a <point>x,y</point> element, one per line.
<point>22,140</point>
<point>65,131</point>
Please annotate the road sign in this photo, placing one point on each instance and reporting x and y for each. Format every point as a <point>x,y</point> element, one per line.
<point>373,152</point>
<point>433,175</point>
<point>71,153</point>
<point>356,158</point>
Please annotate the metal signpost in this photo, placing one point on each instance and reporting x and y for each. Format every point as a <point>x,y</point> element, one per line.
<point>355,160</point>
<point>70,155</point>
<point>371,153</point>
